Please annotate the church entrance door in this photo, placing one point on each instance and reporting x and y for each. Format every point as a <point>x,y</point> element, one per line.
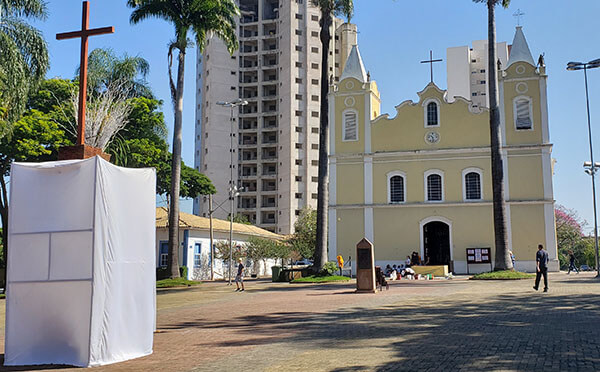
<point>436,236</point>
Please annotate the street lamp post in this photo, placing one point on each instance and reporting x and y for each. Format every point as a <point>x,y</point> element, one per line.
<point>590,166</point>
<point>233,190</point>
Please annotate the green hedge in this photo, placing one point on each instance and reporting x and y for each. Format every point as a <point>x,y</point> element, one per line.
<point>163,273</point>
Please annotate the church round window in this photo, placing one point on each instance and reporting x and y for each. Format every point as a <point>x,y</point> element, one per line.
<point>349,101</point>
<point>520,70</point>
<point>350,85</point>
<point>522,87</point>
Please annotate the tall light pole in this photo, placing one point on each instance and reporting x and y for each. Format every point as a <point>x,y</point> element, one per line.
<point>590,166</point>
<point>233,190</point>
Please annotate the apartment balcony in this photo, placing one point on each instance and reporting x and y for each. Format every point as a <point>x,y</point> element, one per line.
<point>269,186</point>
<point>247,203</point>
<point>269,202</point>
<point>269,153</point>
<point>268,218</point>
<point>249,186</point>
<point>269,169</point>
<point>269,138</point>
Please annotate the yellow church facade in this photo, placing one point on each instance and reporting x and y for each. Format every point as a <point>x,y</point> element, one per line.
<point>421,180</point>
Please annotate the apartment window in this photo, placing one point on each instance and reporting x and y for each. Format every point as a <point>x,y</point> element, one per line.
<point>299,64</point>
<point>434,185</point>
<point>233,73</point>
<point>299,32</point>
<point>298,178</point>
<point>298,195</point>
<point>473,60</point>
<point>472,185</point>
<point>315,66</point>
<point>315,81</point>
<point>314,34</point>
<point>315,146</point>
<point>315,179</point>
<point>299,97</point>
<point>315,114</point>
<point>298,212</point>
<point>299,16</point>
<point>315,130</point>
<point>299,146</point>
<point>298,129</point>
<point>298,48</point>
<point>298,113</point>
<point>315,98</point>
<point>298,81</point>
<point>315,195</point>
<point>482,82</point>
<point>315,162</point>
<point>522,113</point>
<point>314,50</point>
<point>233,88</point>
<point>482,71</point>
<point>350,125</point>
<point>298,161</point>
<point>314,17</point>
<point>396,187</point>
<point>474,94</point>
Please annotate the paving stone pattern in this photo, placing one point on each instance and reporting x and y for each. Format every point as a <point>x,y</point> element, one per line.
<point>456,325</point>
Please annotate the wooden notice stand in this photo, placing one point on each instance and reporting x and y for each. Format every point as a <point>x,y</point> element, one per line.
<point>365,267</point>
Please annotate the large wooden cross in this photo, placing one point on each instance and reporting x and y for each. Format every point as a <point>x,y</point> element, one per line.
<point>84,33</point>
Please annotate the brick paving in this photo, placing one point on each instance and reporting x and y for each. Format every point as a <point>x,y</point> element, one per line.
<point>453,325</point>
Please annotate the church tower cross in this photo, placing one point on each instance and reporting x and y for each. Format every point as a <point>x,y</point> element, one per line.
<point>518,15</point>
<point>84,33</point>
<point>431,62</point>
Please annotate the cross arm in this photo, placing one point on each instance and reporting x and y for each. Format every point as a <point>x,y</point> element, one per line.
<point>91,32</point>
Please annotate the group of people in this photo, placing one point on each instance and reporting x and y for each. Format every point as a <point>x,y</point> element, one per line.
<point>395,272</point>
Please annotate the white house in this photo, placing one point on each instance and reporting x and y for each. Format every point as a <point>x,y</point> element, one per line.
<point>194,237</point>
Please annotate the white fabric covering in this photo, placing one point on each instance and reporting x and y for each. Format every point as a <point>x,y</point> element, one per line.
<point>81,263</point>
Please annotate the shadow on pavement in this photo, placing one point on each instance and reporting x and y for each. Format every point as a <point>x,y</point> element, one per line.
<point>513,331</point>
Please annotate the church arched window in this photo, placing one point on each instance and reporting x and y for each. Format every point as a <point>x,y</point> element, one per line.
<point>472,186</point>
<point>522,113</point>
<point>350,125</point>
<point>396,187</point>
<point>432,113</point>
<point>434,185</point>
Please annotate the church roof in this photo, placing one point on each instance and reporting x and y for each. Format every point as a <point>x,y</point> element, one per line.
<point>519,51</point>
<point>354,66</point>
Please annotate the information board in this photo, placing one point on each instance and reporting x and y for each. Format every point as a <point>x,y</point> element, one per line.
<point>478,255</point>
<point>364,258</point>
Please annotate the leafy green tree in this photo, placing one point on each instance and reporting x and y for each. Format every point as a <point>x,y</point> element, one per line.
<point>503,261</point>
<point>570,237</point>
<point>199,18</point>
<point>328,9</point>
<point>240,218</point>
<point>23,57</point>
<point>305,233</point>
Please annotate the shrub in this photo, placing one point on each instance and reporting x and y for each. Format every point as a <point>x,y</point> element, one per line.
<point>183,271</point>
<point>163,273</point>
<point>329,268</point>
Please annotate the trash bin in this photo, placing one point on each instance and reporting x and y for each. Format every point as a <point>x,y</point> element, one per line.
<point>275,273</point>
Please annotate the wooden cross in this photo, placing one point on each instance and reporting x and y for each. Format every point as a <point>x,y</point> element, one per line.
<point>84,33</point>
<point>431,62</point>
<point>518,15</point>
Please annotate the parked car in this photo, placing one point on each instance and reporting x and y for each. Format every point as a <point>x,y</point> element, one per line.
<point>303,262</point>
<point>585,268</point>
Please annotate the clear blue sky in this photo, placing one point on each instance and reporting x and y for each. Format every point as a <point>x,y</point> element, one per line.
<point>394,36</point>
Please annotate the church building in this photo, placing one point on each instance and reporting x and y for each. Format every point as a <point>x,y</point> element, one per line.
<point>421,180</point>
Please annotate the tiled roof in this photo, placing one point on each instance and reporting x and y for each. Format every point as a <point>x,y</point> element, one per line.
<point>193,222</point>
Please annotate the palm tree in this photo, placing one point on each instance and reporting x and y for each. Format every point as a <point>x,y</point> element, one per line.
<point>23,57</point>
<point>503,261</point>
<point>328,9</point>
<point>200,18</point>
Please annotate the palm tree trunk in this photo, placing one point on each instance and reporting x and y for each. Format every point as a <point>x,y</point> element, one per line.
<point>503,261</point>
<point>323,176</point>
<point>173,264</point>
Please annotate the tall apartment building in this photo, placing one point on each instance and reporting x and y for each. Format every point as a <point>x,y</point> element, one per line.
<point>277,69</point>
<point>467,70</point>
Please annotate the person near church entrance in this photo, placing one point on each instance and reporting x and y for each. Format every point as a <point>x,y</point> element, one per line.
<point>541,259</point>
<point>239,278</point>
<point>512,258</point>
<point>415,259</point>
<point>572,266</point>
<point>408,262</point>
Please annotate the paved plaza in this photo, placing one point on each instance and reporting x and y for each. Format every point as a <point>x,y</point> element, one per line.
<point>455,325</point>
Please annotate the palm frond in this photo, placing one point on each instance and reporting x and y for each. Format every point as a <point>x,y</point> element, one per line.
<point>30,43</point>
<point>24,8</point>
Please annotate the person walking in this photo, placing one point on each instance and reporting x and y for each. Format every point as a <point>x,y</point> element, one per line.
<point>512,258</point>
<point>541,259</point>
<point>239,278</point>
<point>572,266</point>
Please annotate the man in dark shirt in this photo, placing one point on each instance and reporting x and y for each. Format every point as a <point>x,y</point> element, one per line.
<point>541,259</point>
<point>239,278</point>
